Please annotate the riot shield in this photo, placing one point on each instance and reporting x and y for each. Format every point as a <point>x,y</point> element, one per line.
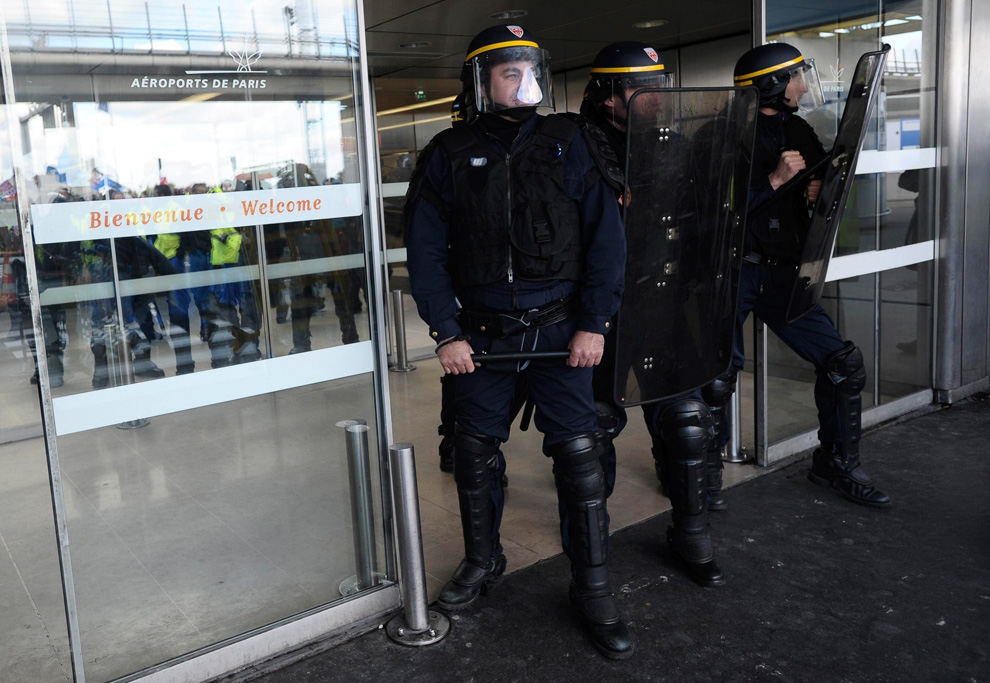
<point>687,174</point>
<point>839,174</point>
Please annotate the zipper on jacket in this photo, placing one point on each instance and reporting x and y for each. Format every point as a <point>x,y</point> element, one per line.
<point>508,188</point>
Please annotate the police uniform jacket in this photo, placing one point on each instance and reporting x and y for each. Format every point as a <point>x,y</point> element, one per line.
<point>436,221</point>
<point>783,229</point>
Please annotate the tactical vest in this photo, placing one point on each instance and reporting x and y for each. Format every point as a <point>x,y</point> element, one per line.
<point>512,216</point>
<point>783,230</point>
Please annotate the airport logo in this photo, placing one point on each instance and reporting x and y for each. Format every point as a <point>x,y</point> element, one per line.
<point>651,53</point>
<point>834,84</point>
<point>517,31</point>
<point>244,61</point>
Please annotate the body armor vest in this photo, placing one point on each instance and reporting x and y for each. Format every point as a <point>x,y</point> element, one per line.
<point>512,216</point>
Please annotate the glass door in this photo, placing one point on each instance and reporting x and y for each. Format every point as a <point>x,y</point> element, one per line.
<point>192,185</point>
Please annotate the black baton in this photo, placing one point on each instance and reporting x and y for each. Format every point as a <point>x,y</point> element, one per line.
<point>519,355</point>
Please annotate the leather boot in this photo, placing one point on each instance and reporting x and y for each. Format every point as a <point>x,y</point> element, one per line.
<point>829,469</point>
<point>471,581</point>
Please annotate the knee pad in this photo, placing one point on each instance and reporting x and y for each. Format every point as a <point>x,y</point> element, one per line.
<point>580,480</point>
<point>687,428</point>
<point>475,458</point>
<point>578,468</point>
<point>845,369</point>
<point>717,393</point>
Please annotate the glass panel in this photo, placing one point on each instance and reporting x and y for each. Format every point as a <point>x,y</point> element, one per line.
<point>907,212</point>
<point>18,395</point>
<point>835,39</point>
<point>201,256</point>
<point>410,113</point>
<point>905,330</point>
<point>909,216</point>
<point>791,408</point>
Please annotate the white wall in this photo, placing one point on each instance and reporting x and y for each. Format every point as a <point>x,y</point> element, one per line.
<point>710,64</point>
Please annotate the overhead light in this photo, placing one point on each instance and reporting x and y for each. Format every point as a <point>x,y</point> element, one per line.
<point>895,22</point>
<point>508,14</point>
<point>445,117</point>
<point>652,23</point>
<point>914,18</point>
<point>825,34</point>
<point>431,103</point>
<point>842,30</point>
<point>415,44</point>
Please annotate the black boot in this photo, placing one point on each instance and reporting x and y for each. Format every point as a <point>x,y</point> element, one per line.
<point>686,430</point>
<point>470,581</point>
<point>836,466</point>
<point>580,482</point>
<point>846,476</point>
<point>476,471</point>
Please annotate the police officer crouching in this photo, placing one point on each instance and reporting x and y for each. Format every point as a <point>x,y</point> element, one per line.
<point>509,215</point>
<point>682,427</point>
<point>785,145</point>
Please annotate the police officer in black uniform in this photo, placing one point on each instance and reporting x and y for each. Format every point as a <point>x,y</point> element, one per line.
<point>681,427</point>
<point>509,216</point>
<point>786,145</point>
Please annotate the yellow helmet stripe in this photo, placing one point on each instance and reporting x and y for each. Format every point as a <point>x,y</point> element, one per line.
<point>627,69</point>
<point>750,77</point>
<point>497,46</point>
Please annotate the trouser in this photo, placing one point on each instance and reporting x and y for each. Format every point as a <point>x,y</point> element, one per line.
<point>765,290</point>
<point>485,398</point>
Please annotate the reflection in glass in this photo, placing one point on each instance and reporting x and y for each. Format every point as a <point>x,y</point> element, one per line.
<point>209,522</point>
<point>905,330</point>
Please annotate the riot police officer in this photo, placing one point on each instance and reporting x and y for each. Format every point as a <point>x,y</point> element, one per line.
<point>681,427</point>
<point>509,215</point>
<point>785,145</point>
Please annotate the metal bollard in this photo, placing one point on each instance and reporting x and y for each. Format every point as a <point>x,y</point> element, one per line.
<point>362,517</point>
<point>734,451</point>
<point>120,370</point>
<point>417,625</point>
<point>115,375</point>
<point>399,315</point>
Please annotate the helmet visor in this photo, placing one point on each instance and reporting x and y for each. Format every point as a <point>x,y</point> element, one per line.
<point>512,77</point>
<point>649,79</point>
<point>804,88</point>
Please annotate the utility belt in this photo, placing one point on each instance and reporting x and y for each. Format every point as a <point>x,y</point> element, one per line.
<point>506,324</point>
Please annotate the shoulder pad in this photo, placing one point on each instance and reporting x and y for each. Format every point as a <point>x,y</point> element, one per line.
<point>605,158</point>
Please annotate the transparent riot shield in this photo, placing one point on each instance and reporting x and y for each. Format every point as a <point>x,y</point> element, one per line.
<point>687,175</point>
<point>837,181</point>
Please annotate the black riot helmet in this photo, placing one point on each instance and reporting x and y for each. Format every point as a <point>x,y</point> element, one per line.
<point>771,68</point>
<point>506,70</point>
<point>461,110</point>
<point>625,66</point>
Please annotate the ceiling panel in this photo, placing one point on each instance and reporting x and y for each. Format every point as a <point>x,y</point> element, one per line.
<point>573,31</point>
